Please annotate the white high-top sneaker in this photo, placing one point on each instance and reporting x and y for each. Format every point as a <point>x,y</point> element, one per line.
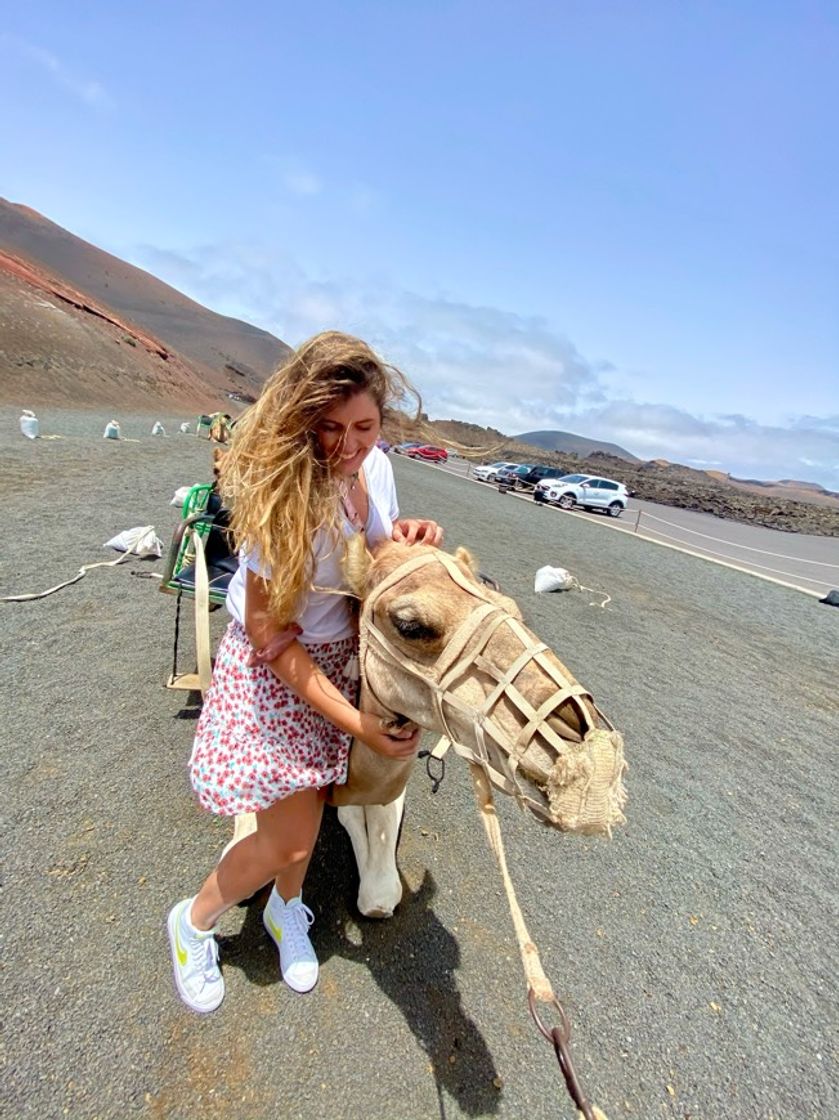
<point>195,961</point>
<point>288,925</point>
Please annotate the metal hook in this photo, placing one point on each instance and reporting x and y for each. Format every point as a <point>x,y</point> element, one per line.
<point>560,1038</point>
<point>435,779</point>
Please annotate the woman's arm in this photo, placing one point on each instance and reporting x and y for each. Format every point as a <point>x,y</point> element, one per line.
<point>268,640</point>
<point>294,667</point>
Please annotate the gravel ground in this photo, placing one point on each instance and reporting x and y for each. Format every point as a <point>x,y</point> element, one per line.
<point>696,952</point>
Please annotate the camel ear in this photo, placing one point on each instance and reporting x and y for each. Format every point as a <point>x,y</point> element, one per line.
<point>357,563</point>
<point>465,557</point>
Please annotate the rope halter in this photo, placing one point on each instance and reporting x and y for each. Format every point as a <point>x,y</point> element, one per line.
<point>572,780</point>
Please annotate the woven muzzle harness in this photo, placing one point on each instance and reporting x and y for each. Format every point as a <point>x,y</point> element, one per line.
<point>495,751</point>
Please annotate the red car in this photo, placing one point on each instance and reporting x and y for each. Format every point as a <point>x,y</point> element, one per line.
<point>429,453</point>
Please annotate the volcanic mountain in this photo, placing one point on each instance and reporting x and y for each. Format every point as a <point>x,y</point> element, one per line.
<point>79,326</point>
<point>568,442</point>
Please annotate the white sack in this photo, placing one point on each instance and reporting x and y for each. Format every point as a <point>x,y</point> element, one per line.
<point>553,579</point>
<point>179,495</point>
<point>29,425</point>
<point>112,430</point>
<point>142,541</point>
<point>184,427</point>
<point>158,429</point>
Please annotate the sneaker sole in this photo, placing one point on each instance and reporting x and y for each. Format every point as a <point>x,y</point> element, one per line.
<point>200,1009</point>
<point>300,991</point>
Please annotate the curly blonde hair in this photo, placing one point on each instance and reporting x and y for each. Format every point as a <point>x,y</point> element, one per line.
<point>281,488</point>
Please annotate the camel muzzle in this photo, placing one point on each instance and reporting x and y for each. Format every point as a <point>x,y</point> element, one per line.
<point>568,776</point>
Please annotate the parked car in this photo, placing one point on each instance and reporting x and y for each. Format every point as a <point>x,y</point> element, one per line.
<point>383,445</point>
<point>527,476</point>
<point>584,490</point>
<point>570,479</point>
<point>488,472</point>
<point>404,448</point>
<point>507,474</point>
<point>428,453</point>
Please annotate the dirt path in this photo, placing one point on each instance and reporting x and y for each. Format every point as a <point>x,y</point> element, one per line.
<point>696,951</point>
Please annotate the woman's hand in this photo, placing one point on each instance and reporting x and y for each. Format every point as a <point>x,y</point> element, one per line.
<point>274,646</point>
<point>398,743</point>
<point>414,530</point>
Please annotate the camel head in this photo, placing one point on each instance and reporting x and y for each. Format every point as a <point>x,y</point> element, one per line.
<point>427,605</point>
<point>442,650</point>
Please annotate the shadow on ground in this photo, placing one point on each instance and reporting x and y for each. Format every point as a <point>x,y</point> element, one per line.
<point>412,957</point>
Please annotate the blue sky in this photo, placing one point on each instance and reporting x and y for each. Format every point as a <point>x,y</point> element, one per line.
<point>617,219</point>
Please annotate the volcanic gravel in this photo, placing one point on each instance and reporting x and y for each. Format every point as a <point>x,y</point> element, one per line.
<point>695,953</point>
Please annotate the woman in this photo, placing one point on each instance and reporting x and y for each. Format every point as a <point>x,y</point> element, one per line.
<point>303,474</point>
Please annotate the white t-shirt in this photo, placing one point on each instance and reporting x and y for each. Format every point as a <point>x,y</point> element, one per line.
<point>328,617</point>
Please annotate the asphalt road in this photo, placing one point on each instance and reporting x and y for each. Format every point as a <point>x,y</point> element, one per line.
<point>806,561</point>
<point>696,952</point>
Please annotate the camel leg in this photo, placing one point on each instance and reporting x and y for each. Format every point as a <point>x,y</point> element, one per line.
<point>374,830</point>
<point>243,825</point>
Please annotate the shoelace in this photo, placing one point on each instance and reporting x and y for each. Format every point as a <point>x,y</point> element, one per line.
<point>204,957</point>
<point>296,928</point>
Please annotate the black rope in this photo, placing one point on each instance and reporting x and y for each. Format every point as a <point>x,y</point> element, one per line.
<point>177,633</point>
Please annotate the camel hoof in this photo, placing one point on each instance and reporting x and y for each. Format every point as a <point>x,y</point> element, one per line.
<point>381,902</point>
<point>377,913</point>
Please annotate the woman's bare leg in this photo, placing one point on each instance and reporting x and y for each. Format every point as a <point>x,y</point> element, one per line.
<point>280,849</point>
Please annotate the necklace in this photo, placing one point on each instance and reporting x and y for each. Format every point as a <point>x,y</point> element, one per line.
<point>350,508</point>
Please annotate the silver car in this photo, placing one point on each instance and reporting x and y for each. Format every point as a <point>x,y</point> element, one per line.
<point>489,473</point>
<point>586,490</point>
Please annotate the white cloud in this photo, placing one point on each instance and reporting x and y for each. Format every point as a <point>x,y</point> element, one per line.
<point>92,92</point>
<point>807,448</point>
<point>493,367</point>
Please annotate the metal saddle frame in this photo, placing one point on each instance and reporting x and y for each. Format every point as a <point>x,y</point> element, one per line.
<point>199,566</point>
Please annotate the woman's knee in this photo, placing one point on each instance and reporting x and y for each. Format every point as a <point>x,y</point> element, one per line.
<point>276,857</point>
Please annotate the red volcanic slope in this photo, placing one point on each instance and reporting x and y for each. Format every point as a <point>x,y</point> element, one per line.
<point>228,354</point>
<point>52,285</point>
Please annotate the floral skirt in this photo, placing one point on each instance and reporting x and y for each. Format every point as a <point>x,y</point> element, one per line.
<point>256,740</point>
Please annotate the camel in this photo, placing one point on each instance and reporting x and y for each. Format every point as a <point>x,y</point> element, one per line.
<point>440,649</point>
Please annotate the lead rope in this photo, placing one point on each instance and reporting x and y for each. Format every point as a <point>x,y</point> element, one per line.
<point>539,987</point>
<point>82,572</point>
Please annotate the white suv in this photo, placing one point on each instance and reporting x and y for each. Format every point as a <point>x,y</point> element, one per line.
<point>584,490</point>
<point>488,474</point>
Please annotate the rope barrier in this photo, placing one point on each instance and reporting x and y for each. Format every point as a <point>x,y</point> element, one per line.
<point>731,544</point>
<point>754,563</point>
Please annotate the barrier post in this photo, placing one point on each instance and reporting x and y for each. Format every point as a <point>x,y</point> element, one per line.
<point>637,521</point>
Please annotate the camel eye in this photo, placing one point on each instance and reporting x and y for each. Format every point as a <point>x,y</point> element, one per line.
<point>415,630</point>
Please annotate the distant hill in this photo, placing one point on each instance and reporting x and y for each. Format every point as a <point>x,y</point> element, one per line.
<point>572,444</point>
<point>470,435</point>
<point>782,488</point>
<point>95,293</point>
